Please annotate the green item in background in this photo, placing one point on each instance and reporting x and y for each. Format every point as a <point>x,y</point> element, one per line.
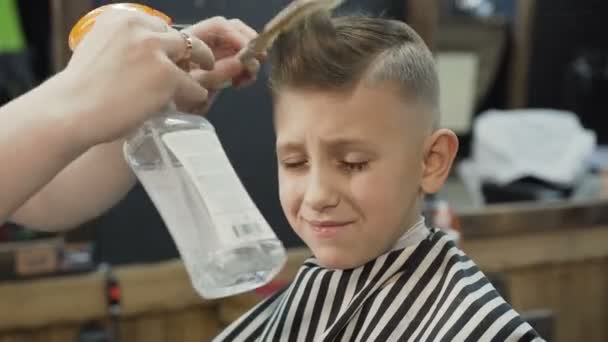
<point>11,34</point>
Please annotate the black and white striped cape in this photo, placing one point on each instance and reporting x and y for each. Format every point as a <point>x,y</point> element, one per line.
<point>429,291</point>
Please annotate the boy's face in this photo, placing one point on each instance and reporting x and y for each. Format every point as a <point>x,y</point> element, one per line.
<point>350,167</point>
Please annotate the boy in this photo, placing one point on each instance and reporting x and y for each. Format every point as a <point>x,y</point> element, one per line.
<point>356,119</point>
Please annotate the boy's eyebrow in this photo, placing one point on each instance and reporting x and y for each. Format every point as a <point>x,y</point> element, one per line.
<point>336,144</point>
<point>284,147</point>
<point>342,143</point>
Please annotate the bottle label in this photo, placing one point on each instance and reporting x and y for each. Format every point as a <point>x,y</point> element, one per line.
<point>235,217</point>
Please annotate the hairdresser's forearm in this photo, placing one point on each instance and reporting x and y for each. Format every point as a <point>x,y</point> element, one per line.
<point>36,141</point>
<point>85,189</point>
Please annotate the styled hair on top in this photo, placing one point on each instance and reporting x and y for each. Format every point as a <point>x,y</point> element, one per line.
<point>336,53</point>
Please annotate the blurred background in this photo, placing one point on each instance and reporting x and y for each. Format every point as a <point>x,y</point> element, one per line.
<point>524,84</point>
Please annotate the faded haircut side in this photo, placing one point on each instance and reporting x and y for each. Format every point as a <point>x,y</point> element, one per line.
<point>337,53</point>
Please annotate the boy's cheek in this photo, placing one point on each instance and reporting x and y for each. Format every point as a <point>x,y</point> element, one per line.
<point>286,189</point>
<point>288,196</point>
<point>376,190</point>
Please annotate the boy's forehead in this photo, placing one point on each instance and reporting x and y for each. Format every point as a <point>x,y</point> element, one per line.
<point>365,95</point>
<point>344,117</point>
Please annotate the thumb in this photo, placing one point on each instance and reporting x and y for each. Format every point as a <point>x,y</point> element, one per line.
<point>225,71</point>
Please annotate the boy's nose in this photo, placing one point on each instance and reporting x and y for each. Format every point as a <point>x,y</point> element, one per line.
<point>320,193</point>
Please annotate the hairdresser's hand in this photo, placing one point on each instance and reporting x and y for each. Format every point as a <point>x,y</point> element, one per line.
<point>225,37</point>
<point>124,71</point>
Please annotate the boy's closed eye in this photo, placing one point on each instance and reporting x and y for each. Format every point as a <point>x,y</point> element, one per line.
<point>354,161</point>
<point>354,166</point>
<point>350,166</point>
<point>293,163</point>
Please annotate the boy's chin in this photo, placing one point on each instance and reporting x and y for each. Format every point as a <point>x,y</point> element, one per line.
<point>339,259</point>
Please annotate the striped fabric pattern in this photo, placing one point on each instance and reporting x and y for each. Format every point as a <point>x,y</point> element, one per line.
<point>430,291</point>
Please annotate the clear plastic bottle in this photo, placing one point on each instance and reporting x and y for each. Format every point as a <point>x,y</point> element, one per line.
<point>226,244</point>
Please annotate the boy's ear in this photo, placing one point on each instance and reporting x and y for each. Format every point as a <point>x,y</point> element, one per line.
<point>439,153</point>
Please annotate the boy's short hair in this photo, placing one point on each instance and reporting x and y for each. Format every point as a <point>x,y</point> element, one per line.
<point>335,53</point>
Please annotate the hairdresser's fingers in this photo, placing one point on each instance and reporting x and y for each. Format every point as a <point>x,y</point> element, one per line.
<point>227,71</point>
<point>252,68</point>
<point>248,76</point>
<point>224,72</point>
<point>250,33</point>
<point>189,93</point>
<point>221,36</point>
<point>243,28</point>
<point>176,45</point>
<point>261,57</point>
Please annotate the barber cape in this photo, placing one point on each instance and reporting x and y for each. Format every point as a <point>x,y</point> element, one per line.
<point>425,289</point>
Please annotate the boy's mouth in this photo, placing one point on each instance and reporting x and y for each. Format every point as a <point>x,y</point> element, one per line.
<point>327,226</point>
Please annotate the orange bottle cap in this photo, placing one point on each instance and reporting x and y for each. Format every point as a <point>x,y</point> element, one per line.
<point>86,22</point>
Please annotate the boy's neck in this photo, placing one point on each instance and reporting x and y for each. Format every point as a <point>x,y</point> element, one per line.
<point>413,235</point>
